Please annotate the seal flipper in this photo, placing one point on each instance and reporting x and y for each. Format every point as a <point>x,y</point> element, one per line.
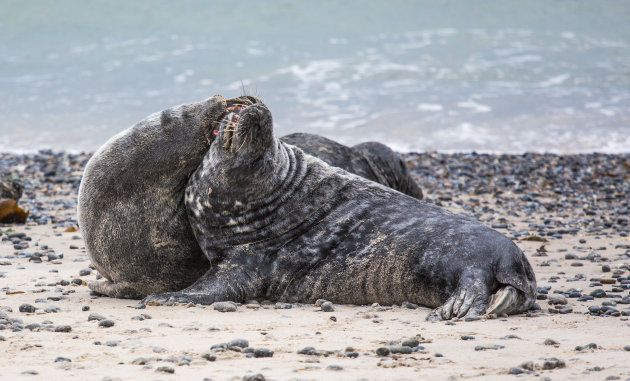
<point>230,283</point>
<point>123,290</point>
<point>469,299</point>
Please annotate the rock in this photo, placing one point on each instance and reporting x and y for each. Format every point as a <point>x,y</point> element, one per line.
<point>411,342</point>
<point>400,350</point>
<point>516,370</point>
<point>327,307</point>
<point>319,302</point>
<point>334,367</point>
<point>224,306</point>
<point>467,337</point>
<point>106,323</point>
<point>550,342</point>
<point>209,357</point>
<point>165,369</point>
<point>556,299</point>
<point>95,316</point>
<point>263,352</point>
<point>242,343</point>
<point>382,351</point>
<point>486,347</point>
<point>27,308</point>
<point>255,377</point>
<point>553,363</point>
<point>63,328</point>
<point>10,188</point>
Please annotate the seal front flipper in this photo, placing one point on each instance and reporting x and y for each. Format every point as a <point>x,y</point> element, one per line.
<point>123,290</point>
<point>229,283</point>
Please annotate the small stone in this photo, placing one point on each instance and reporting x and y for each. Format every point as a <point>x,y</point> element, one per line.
<point>95,316</point>
<point>556,299</point>
<point>242,343</point>
<point>626,348</point>
<point>319,302</point>
<point>106,323</point>
<point>165,369</point>
<point>209,357</point>
<point>553,363</point>
<point>255,377</point>
<point>111,343</point>
<point>141,361</point>
<point>62,359</point>
<point>334,367</point>
<point>63,328</point>
<point>30,372</point>
<point>468,337</point>
<point>411,342</point>
<point>486,347</point>
<point>282,306</point>
<point>263,352</point>
<point>550,342</point>
<point>409,305</point>
<point>400,350</point>
<point>382,351</point>
<point>327,307</point>
<point>85,272</point>
<point>27,308</point>
<point>85,308</point>
<point>605,268</point>
<point>224,306</point>
<point>516,370</point>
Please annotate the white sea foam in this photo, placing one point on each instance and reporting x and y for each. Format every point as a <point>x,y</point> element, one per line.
<point>430,107</point>
<point>476,107</point>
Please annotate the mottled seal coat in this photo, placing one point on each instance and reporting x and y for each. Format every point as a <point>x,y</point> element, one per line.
<point>371,160</point>
<point>131,200</point>
<point>279,224</point>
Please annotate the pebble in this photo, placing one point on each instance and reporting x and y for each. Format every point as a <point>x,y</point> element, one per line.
<point>553,363</point>
<point>587,346</point>
<point>27,308</point>
<point>111,343</point>
<point>550,342</point>
<point>224,306</point>
<point>209,357</point>
<point>400,350</point>
<point>85,272</point>
<point>382,351</point>
<point>254,377</point>
<point>63,328</point>
<point>281,306</point>
<point>334,367</point>
<point>62,359</point>
<point>516,370</point>
<point>486,347</point>
<point>95,316</point>
<point>327,307</point>
<point>263,352</point>
<point>556,299</point>
<point>85,308</point>
<point>165,369</point>
<point>411,342</point>
<point>242,343</point>
<point>106,323</point>
<point>467,337</point>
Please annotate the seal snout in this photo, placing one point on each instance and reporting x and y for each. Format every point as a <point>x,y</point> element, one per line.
<point>244,126</point>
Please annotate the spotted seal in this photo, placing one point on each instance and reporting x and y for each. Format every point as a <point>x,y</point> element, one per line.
<point>279,224</point>
<point>371,160</point>
<point>131,200</point>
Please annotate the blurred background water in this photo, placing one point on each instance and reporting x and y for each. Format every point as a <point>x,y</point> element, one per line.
<point>491,76</point>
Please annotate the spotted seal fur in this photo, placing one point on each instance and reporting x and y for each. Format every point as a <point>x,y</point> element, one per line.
<point>279,224</point>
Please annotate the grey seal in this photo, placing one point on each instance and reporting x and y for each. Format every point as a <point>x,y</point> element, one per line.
<point>371,160</point>
<point>131,200</point>
<point>279,224</point>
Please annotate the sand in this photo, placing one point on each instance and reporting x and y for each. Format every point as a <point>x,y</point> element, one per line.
<point>177,337</point>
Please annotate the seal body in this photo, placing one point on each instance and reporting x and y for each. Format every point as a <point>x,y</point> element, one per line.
<point>371,160</point>
<point>131,201</point>
<point>279,224</point>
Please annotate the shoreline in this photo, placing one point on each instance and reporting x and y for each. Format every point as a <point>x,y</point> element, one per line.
<point>568,213</point>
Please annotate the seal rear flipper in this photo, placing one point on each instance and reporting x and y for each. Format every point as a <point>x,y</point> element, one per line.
<point>469,299</point>
<point>517,290</point>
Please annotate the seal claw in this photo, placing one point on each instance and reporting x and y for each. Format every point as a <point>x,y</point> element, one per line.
<point>503,301</point>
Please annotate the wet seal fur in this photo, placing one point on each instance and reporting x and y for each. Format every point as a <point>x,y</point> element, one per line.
<point>371,160</point>
<point>131,200</point>
<point>278,224</point>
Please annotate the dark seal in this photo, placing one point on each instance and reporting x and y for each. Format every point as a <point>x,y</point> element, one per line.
<point>131,200</point>
<point>279,224</point>
<point>371,160</point>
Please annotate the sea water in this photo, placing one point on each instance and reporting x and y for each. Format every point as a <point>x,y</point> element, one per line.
<point>487,75</point>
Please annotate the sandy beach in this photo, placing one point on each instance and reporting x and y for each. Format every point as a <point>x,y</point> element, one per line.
<point>569,214</point>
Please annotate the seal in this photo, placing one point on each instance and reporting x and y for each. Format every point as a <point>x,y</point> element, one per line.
<point>278,224</point>
<point>131,200</point>
<point>371,160</point>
